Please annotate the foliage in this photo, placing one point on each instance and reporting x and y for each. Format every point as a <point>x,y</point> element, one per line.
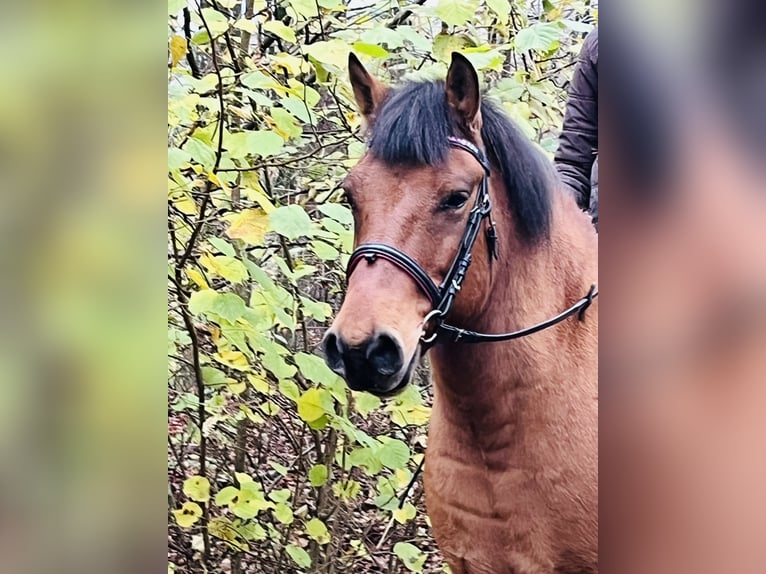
<point>274,465</point>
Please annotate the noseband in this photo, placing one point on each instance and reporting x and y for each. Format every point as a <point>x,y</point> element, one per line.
<point>443,296</point>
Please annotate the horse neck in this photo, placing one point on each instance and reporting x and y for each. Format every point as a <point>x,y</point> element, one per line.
<point>475,382</point>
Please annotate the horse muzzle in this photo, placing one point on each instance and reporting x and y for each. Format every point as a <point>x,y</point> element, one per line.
<point>376,365</point>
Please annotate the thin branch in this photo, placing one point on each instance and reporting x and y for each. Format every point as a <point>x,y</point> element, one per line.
<point>189,54</point>
<point>403,15</point>
<point>219,153</point>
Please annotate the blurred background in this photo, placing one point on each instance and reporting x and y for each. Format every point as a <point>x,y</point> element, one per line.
<point>683,283</point>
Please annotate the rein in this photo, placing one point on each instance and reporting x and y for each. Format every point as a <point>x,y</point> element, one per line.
<point>443,296</point>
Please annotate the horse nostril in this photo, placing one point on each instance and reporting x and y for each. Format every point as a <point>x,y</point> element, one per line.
<point>385,355</point>
<point>333,352</point>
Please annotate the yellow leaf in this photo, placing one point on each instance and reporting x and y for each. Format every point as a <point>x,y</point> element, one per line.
<point>188,514</point>
<point>235,387</point>
<point>291,64</point>
<point>218,181</point>
<point>312,404</point>
<point>185,204</point>
<point>197,278</point>
<point>259,384</point>
<point>404,514</point>
<point>197,488</point>
<point>403,477</point>
<point>275,128</point>
<point>270,408</point>
<point>234,359</point>
<point>249,225</point>
<point>250,414</point>
<point>227,267</point>
<point>177,49</point>
<point>280,29</point>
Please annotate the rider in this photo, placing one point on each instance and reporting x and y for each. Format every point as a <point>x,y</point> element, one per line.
<point>577,156</point>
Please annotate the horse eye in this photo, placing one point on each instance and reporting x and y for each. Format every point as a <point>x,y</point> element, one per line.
<point>454,200</point>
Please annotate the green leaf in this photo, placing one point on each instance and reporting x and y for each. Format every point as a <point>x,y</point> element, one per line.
<point>365,457</point>
<point>217,22</point>
<point>281,495</point>
<point>318,475</point>
<point>324,251</point>
<point>229,306</point>
<point>317,309</point>
<point>283,513</point>
<point>285,123</point>
<point>372,50</point>
<point>333,52</point>
<point>347,490</point>
<point>314,368</point>
<point>338,212</point>
<point>577,26</point>
<point>226,495</point>
<point>261,143</point>
<point>445,44</point>
<point>383,35</point>
<point>243,478</point>
<point>542,36</point>
<point>317,530</point>
<point>250,26</point>
<point>456,12</point>
<point>280,468</point>
<point>274,362</point>
<point>394,453</point>
<point>412,557</point>
<point>202,301</point>
<point>414,37</point>
<point>197,488</point>
<point>500,7</point>
<point>250,501</point>
<point>212,376</point>
<point>483,59</point>
<point>280,30</point>
<point>223,246</point>
<point>365,403</point>
<point>177,158</point>
<point>252,531</point>
<point>292,221</point>
<point>200,152</point>
<point>313,404</point>
<point>175,6</point>
<point>299,555</point>
<point>289,389</point>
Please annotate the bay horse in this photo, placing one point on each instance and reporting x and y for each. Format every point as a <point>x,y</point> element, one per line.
<point>511,477</point>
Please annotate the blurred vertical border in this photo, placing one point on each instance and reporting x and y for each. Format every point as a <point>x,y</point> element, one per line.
<point>682,222</point>
<point>82,348</point>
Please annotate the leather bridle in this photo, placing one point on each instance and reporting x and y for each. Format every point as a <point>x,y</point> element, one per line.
<point>443,296</point>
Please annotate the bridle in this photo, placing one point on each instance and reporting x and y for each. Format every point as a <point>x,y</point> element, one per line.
<point>443,296</point>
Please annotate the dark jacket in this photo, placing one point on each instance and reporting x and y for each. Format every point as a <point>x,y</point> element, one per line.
<point>578,142</point>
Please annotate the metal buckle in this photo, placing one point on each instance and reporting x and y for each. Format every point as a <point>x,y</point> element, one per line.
<point>431,314</point>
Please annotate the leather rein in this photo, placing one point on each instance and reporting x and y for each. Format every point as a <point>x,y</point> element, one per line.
<point>443,296</point>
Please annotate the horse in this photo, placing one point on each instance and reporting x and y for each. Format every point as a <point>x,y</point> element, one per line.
<point>459,217</point>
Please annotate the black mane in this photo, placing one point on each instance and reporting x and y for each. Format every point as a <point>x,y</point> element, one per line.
<point>412,128</point>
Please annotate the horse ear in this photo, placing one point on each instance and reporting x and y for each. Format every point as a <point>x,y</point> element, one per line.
<point>368,91</point>
<point>463,92</point>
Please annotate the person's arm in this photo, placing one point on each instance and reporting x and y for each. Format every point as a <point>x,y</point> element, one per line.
<point>578,142</point>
